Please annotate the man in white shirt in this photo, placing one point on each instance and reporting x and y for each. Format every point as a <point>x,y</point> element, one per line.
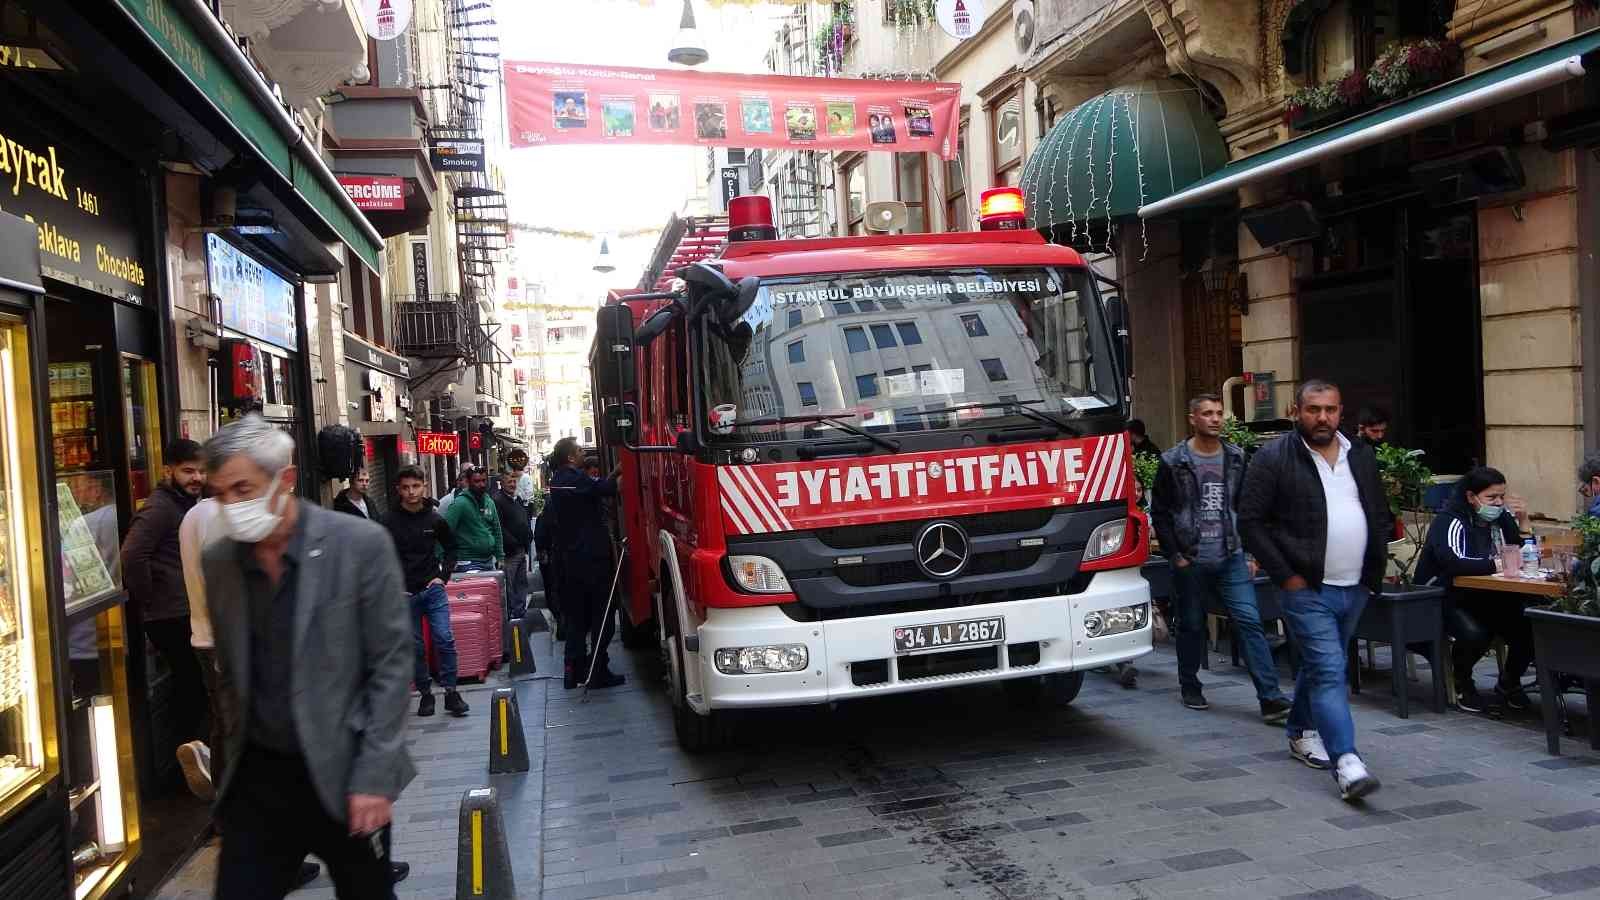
<point>1314,514</point>
<point>200,760</point>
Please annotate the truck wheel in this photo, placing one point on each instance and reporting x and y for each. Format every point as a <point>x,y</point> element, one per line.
<point>1044,691</point>
<point>696,733</point>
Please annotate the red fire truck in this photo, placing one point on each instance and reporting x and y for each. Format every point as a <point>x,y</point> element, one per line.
<point>871,465</point>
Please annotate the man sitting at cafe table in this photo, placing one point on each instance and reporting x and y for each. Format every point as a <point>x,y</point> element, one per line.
<point>1466,538</point>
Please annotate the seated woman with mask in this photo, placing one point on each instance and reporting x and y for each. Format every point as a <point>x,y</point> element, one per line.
<point>1465,539</point>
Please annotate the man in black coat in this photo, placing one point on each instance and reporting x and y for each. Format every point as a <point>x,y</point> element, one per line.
<point>152,568</point>
<point>1315,515</point>
<point>516,531</point>
<point>353,499</point>
<point>581,546</point>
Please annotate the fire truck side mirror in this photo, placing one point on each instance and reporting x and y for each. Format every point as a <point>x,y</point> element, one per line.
<point>734,307</point>
<point>614,334</point>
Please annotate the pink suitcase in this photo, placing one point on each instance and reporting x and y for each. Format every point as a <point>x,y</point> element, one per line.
<point>482,595</point>
<point>472,643</point>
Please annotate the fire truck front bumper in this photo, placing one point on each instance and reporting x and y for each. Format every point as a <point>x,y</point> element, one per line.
<point>891,654</point>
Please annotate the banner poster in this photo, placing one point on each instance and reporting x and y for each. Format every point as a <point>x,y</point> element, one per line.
<point>557,103</point>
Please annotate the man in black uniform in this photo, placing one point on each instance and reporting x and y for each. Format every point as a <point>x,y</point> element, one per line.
<point>581,547</point>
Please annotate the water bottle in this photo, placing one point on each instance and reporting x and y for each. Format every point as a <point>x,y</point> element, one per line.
<point>1530,559</point>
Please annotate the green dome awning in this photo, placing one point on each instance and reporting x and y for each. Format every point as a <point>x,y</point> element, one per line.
<point>1128,147</point>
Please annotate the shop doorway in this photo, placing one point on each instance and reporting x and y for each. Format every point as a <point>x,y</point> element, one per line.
<point>1213,333</point>
<point>1393,317</point>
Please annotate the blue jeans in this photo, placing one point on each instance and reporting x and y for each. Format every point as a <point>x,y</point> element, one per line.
<point>1323,621</point>
<point>1229,578</point>
<point>432,603</point>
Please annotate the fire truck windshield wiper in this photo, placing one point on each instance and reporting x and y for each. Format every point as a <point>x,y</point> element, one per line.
<point>834,419</point>
<point>1019,406</point>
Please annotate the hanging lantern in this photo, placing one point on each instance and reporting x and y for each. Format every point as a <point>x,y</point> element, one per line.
<point>689,49</point>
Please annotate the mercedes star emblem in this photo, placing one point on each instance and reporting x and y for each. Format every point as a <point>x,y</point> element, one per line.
<point>942,549</point>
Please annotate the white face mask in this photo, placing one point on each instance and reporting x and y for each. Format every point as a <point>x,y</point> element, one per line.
<point>249,521</point>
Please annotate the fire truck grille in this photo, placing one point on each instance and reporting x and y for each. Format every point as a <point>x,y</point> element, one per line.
<point>907,572</point>
<point>852,537</point>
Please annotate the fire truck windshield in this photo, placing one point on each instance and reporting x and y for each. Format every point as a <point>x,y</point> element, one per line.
<point>909,351</point>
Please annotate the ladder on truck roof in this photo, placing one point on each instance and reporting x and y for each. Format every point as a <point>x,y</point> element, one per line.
<point>685,240</point>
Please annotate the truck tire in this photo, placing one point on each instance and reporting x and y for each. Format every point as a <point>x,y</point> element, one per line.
<point>696,733</point>
<point>1044,691</point>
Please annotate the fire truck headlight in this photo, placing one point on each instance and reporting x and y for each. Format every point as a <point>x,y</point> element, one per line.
<point>1106,540</point>
<point>758,575</point>
<point>762,660</point>
<point>1117,620</point>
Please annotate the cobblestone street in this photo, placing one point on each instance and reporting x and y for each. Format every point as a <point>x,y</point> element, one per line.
<point>1124,794</point>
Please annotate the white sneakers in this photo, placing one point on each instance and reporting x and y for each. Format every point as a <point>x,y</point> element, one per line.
<point>1308,749</point>
<point>1354,780</point>
<point>195,760</point>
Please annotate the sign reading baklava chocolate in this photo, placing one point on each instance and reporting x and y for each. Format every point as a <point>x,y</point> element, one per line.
<point>83,208</point>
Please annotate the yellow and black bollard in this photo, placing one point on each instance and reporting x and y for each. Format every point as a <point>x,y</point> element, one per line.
<point>508,746</point>
<point>483,861</point>
<point>521,650</point>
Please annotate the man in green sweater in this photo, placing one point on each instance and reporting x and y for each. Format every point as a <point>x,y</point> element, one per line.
<point>475,521</point>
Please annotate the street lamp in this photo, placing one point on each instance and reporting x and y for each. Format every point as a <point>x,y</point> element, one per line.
<point>602,262</point>
<point>689,50</point>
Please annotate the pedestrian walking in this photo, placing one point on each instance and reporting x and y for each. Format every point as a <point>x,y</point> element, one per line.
<point>353,499</point>
<point>581,547</point>
<point>516,530</point>
<point>1194,510</point>
<point>427,551</point>
<point>475,521</point>
<point>311,636</point>
<point>1142,445</point>
<point>1315,516</point>
<point>1372,426</point>
<point>204,761</point>
<point>152,568</point>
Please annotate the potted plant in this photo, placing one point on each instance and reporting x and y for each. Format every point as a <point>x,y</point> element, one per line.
<point>1405,479</point>
<point>1403,614</point>
<point>1566,632</point>
<point>1406,68</point>
<point>1316,105</point>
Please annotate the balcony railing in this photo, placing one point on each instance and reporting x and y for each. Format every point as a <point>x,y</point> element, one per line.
<point>434,326</point>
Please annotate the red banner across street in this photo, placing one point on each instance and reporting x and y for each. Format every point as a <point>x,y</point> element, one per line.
<point>558,103</point>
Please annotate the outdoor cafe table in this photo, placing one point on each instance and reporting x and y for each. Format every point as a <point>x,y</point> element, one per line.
<point>1514,584</point>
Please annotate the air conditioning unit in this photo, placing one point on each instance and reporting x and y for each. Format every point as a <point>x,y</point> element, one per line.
<point>1469,175</point>
<point>1285,223</point>
<point>1024,27</point>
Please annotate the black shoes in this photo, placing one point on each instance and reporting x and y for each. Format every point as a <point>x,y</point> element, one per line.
<point>605,678</point>
<point>425,705</point>
<point>572,676</point>
<point>1469,700</point>
<point>1128,677</point>
<point>453,704</point>
<point>308,873</point>
<point>1275,712</point>
<point>1193,699</point>
<point>575,672</point>
<point>401,871</point>
<point>1514,697</point>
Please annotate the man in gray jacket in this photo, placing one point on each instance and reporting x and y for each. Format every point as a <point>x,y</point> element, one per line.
<point>308,613</point>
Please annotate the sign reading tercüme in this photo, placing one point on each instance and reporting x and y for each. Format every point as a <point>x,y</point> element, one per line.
<point>555,103</point>
<point>375,194</point>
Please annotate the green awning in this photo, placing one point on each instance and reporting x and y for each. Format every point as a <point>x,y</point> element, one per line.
<point>1509,80</point>
<point>1125,148</point>
<point>169,29</point>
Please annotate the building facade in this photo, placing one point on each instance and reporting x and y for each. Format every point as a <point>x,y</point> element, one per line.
<point>1330,188</point>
